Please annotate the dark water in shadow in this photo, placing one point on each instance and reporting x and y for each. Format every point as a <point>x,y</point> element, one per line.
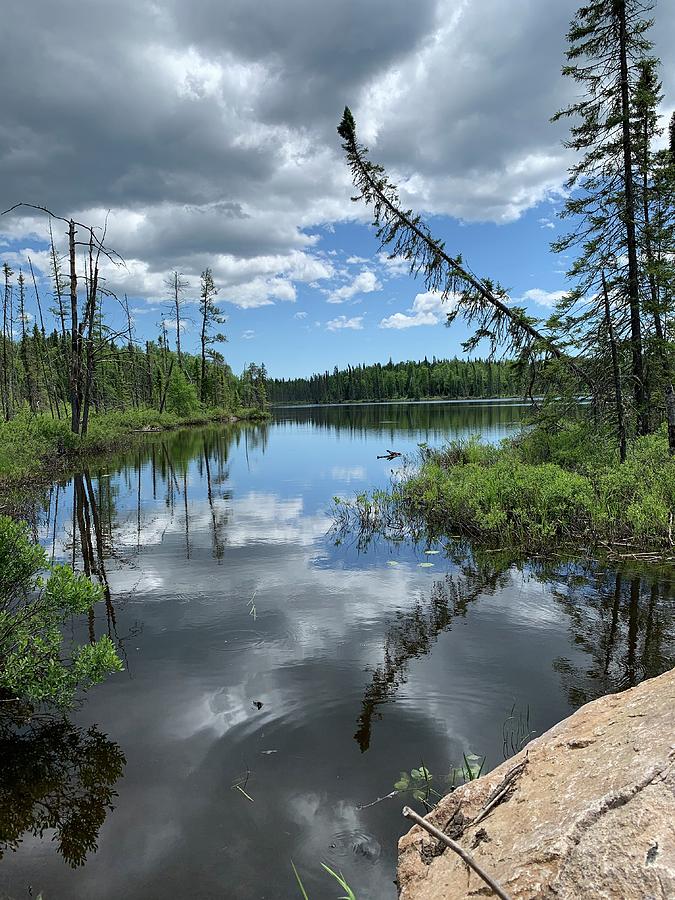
<point>258,653</point>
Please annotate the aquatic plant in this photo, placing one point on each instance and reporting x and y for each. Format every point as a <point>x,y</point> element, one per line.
<point>338,876</point>
<point>532,492</point>
<point>418,782</point>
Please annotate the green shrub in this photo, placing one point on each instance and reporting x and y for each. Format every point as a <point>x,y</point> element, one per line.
<point>35,601</point>
<point>534,491</point>
<point>181,396</point>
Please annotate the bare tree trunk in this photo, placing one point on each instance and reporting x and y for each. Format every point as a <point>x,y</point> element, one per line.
<point>148,355</point>
<point>176,300</point>
<point>23,349</point>
<point>75,337</point>
<point>162,402</point>
<point>49,383</point>
<point>57,282</point>
<point>202,379</point>
<point>620,424</point>
<point>639,387</point>
<point>88,323</point>
<point>670,412</point>
<point>656,307</point>
<point>130,348</point>
<point>6,399</point>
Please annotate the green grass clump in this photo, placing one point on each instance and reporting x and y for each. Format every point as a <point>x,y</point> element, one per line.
<point>501,493</point>
<point>537,490</point>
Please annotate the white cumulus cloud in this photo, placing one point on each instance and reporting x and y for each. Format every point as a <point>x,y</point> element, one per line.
<point>342,322</point>
<point>366,282</point>
<point>427,309</point>
<point>543,298</point>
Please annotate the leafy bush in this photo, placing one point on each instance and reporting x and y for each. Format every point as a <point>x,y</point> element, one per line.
<point>181,396</point>
<point>35,601</point>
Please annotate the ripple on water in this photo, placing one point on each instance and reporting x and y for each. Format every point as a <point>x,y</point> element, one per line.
<point>354,842</point>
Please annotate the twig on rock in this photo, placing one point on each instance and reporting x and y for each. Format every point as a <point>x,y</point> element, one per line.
<point>460,851</point>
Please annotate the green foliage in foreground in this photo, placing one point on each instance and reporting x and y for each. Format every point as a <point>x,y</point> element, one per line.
<point>27,442</point>
<point>539,489</point>
<point>36,600</point>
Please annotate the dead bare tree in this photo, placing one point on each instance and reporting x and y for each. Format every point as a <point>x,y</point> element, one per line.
<point>82,348</point>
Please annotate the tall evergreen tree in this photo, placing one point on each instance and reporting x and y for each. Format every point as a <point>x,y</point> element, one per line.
<point>210,315</point>
<point>607,54</point>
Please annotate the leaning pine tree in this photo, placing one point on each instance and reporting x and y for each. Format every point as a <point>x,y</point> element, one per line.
<point>484,304</point>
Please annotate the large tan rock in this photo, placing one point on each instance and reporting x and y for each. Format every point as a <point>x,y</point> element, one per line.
<point>591,814</point>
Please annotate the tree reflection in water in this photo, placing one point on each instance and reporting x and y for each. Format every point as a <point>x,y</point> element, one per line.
<point>623,622</point>
<point>56,777</point>
<point>414,633</point>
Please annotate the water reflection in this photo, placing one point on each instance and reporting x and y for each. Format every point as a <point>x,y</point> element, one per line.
<point>414,633</point>
<point>223,588</point>
<point>625,626</point>
<point>432,421</point>
<point>56,777</point>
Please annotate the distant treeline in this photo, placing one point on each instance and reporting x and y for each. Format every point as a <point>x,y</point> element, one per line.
<point>448,378</point>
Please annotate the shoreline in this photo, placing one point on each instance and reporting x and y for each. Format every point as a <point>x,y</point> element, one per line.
<point>522,495</point>
<point>426,401</point>
<point>106,436</point>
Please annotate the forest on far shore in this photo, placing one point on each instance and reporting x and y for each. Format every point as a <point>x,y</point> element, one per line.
<point>452,379</point>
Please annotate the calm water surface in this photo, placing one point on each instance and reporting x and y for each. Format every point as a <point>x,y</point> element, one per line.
<point>259,653</point>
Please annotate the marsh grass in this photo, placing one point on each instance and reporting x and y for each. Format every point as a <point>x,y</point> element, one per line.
<point>536,492</point>
<point>30,444</point>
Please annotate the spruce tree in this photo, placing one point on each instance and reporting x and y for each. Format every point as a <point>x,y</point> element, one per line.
<point>211,315</point>
<point>607,54</point>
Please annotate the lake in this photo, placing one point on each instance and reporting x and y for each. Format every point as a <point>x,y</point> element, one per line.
<point>278,678</point>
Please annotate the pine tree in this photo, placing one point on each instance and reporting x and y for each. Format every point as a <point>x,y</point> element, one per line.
<point>211,315</point>
<point>608,51</point>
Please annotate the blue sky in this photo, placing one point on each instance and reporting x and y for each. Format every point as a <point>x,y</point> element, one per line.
<point>204,132</point>
<point>368,310</point>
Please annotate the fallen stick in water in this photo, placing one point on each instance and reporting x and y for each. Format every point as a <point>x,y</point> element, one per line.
<point>460,851</point>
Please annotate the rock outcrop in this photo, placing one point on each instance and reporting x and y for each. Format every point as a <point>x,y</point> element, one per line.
<point>588,812</point>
